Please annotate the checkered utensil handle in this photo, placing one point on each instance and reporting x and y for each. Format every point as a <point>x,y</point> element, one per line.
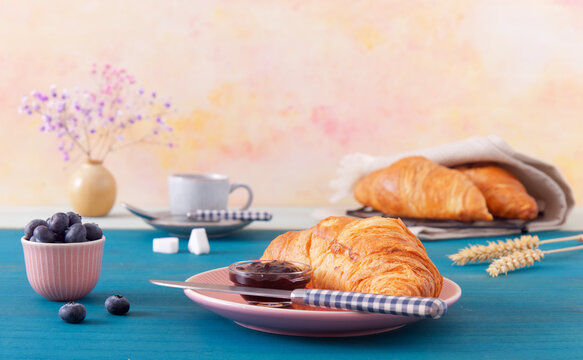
<point>385,304</point>
<point>214,215</point>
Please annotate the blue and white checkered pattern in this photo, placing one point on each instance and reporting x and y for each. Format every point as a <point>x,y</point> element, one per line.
<point>214,215</point>
<point>385,304</point>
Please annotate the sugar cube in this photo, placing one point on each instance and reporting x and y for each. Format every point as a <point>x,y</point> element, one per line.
<point>168,245</point>
<point>198,242</point>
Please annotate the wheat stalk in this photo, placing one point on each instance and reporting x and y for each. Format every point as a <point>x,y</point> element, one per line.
<point>481,253</point>
<point>516,260</point>
<point>522,258</point>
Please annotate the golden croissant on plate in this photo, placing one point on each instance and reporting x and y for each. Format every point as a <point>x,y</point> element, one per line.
<point>505,195</point>
<point>374,255</point>
<point>417,187</point>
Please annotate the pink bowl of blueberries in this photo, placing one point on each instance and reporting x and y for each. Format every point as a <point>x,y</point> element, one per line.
<point>62,256</point>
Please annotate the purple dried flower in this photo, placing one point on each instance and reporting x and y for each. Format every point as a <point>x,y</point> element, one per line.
<point>69,114</point>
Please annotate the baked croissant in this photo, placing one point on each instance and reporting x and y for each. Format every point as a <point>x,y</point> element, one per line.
<point>420,188</point>
<point>374,255</point>
<point>505,195</point>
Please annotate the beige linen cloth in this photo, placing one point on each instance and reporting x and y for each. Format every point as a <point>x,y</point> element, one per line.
<point>542,181</point>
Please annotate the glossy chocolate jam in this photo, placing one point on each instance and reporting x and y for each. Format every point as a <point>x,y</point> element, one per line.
<point>272,274</point>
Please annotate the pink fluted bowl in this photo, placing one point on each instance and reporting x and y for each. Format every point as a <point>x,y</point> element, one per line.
<point>63,272</point>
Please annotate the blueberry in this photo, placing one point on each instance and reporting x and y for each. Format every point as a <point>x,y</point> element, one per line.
<point>74,218</point>
<point>72,312</point>
<point>93,231</point>
<point>76,233</point>
<point>32,239</point>
<point>43,234</point>
<point>117,305</point>
<point>29,228</point>
<point>59,222</point>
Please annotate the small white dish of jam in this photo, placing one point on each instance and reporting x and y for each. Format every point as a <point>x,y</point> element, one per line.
<point>270,274</point>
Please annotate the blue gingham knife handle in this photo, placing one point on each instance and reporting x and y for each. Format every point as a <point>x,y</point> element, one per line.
<point>384,304</point>
<point>214,215</point>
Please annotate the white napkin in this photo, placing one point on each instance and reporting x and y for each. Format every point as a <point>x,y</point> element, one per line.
<point>542,181</point>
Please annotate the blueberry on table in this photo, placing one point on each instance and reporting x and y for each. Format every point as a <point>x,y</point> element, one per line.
<point>93,231</point>
<point>117,305</point>
<point>59,223</point>
<point>74,218</point>
<point>72,312</point>
<point>29,228</point>
<point>76,233</point>
<point>43,234</point>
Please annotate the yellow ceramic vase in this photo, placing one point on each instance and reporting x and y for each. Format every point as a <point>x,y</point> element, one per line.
<point>92,189</point>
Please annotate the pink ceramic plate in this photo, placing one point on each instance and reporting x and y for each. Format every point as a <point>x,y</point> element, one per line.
<point>297,322</point>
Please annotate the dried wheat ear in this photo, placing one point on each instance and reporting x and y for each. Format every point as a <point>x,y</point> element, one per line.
<point>494,250</point>
<point>522,258</point>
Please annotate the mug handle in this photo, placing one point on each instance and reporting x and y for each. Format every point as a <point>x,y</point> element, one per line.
<point>246,187</point>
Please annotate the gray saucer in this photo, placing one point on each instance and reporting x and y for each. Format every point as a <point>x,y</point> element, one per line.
<point>181,226</point>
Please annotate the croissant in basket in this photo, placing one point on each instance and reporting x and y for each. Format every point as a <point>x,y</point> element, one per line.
<point>420,188</point>
<point>505,195</point>
<point>374,255</point>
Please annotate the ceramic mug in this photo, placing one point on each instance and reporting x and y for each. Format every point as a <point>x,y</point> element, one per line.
<point>191,192</point>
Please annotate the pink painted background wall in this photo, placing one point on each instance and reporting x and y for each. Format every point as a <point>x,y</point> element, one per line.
<point>275,93</point>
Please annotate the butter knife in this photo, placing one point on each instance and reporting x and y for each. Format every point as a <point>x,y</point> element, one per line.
<point>375,303</point>
<point>217,215</point>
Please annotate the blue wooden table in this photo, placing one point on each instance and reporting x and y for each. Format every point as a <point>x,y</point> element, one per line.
<point>536,313</point>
